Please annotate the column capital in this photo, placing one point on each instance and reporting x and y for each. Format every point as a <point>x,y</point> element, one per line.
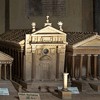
<point>73,54</point>
<point>89,55</point>
<point>95,55</point>
<point>82,55</point>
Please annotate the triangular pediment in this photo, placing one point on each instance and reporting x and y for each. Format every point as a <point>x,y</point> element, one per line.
<point>49,30</point>
<point>93,41</point>
<point>5,57</point>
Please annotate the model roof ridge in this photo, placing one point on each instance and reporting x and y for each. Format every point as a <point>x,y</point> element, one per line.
<point>82,32</point>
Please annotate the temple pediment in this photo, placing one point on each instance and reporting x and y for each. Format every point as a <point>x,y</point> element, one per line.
<point>4,57</point>
<point>48,30</point>
<point>93,41</point>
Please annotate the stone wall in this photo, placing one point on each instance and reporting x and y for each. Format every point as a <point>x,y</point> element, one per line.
<point>87,15</point>
<point>2,16</point>
<point>97,15</point>
<point>78,16</point>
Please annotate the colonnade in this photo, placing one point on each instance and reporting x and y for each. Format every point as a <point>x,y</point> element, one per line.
<point>17,66</point>
<point>88,67</point>
<point>5,71</point>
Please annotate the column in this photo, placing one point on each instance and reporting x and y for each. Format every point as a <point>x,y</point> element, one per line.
<point>73,67</point>
<point>34,67</point>
<point>81,64</point>
<point>95,67</point>
<point>10,71</point>
<point>57,65</point>
<point>18,65</point>
<point>88,67</point>
<point>65,80</point>
<point>22,66</point>
<point>5,72</point>
<point>0,71</point>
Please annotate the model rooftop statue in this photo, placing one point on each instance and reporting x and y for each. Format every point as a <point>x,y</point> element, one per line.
<point>33,26</point>
<point>60,25</point>
<point>47,22</point>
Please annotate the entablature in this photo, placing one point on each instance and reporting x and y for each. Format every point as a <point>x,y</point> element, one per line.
<point>49,38</point>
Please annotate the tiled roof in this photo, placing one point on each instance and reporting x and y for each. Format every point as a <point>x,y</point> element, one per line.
<point>19,34</point>
<point>15,35</point>
<point>75,37</point>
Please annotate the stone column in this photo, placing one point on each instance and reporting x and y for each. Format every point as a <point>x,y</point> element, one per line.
<point>88,67</point>
<point>10,71</point>
<point>34,68</point>
<point>81,64</point>
<point>73,67</point>
<point>16,55</point>
<point>5,72</point>
<point>21,65</point>
<point>95,67</point>
<point>65,80</point>
<point>18,65</point>
<point>0,71</point>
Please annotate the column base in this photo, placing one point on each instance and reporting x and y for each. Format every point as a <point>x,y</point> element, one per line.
<point>80,79</point>
<point>87,79</point>
<point>95,79</point>
<point>65,94</point>
<point>73,79</point>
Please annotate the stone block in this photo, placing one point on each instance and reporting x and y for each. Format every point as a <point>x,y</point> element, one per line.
<point>65,94</point>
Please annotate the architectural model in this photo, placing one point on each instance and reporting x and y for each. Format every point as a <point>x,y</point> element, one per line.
<point>39,55</point>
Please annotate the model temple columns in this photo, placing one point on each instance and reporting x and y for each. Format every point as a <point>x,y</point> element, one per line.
<point>81,64</point>
<point>87,64</point>
<point>95,67</point>
<point>73,67</point>
<point>4,71</point>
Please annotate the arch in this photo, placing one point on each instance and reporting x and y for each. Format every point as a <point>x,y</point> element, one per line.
<point>45,57</point>
<point>45,67</point>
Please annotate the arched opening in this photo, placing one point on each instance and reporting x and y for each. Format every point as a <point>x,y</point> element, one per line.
<point>44,68</point>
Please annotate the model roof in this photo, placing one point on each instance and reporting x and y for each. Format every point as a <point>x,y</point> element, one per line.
<point>75,37</point>
<point>15,35</point>
<point>18,35</point>
<point>5,58</point>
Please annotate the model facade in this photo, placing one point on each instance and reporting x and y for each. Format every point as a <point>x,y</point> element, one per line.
<point>39,55</point>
